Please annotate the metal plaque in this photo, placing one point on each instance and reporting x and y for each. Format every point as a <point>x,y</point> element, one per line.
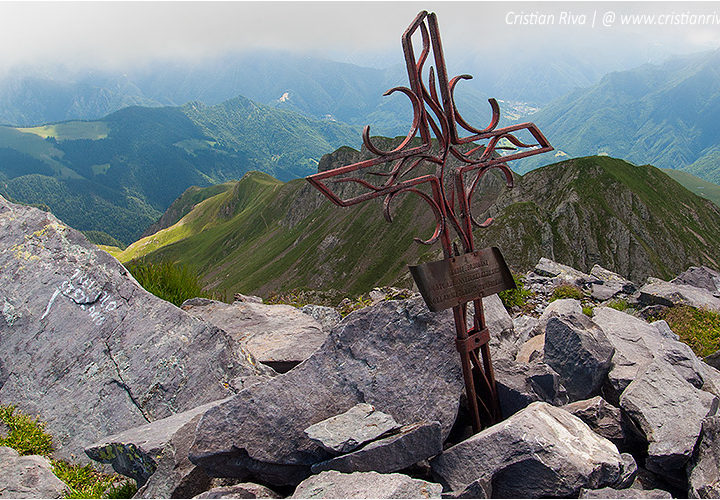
<point>457,280</point>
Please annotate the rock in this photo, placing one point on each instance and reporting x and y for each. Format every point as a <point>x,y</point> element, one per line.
<point>713,359</point>
<point>664,329</point>
<point>603,418</point>
<point>135,452</point>
<point>546,267</point>
<point>526,326</point>
<point>532,350</point>
<point>28,477</point>
<point>610,278</point>
<point>333,484</point>
<point>520,384</point>
<point>4,429</point>
<point>277,335</point>
<point>703,470</point>
<point>560,307</point>
<point>412,444</point>
<point>669,412</point>
<point>350,430</point>
<point>711,379</point>
<point>476,489</point>
<point>91,351</point>
<point>538,452</point>
<point>579,351</point>
<point>629,472</point>
<point>175,476</point>
<point>239,297</point>
<point>626,493</point>
<point>242,490</point>
<point>657,291</point>
<point>700,277</point>
<point>637,343</point>
<point>397,356</point>
<point>605,291</point>
<point>326,316</point>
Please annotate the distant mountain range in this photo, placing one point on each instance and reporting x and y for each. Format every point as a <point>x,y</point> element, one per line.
<point>118,174</point>
<point>316,87</point>
<point>666,115</point>
<point>260,235</point>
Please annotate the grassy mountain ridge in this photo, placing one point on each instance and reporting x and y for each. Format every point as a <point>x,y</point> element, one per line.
<point>580,212</point>
<point>126,169</point>
<point>664,115</point>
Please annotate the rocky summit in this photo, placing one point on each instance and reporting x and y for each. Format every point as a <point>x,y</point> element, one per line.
<point>601,398</point>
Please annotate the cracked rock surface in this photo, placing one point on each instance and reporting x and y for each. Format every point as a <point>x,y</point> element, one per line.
<point>87,349</point>
<point>396,356</point>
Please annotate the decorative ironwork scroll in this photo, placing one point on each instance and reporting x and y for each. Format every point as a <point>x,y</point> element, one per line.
<point>448,191</point>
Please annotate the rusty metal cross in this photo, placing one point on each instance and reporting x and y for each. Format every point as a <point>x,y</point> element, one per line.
<point>450,192</point>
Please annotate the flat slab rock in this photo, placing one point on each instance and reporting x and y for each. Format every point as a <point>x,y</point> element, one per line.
<point>348,431</point>
<point>397,356</point>
<point>538,452</point>
<point>657,291</point>
<point>241,490</point>
<point>28,477</point>
<point>90,351</point>
<point>700,277</point>
<point>277,335</point>
<point>625,493</point>
<point>552,269</point>
<point>135,452</point>
<point>333,484</point>
<point>409,446</point>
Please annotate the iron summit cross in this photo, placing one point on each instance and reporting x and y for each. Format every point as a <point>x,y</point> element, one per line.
<point>424,170</point>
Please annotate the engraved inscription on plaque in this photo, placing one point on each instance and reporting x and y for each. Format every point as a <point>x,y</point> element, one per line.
<point>457,280</point>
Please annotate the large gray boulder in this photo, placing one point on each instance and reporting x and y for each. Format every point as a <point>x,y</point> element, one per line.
<point>657,291</point>
<point>410,445</point>
<point>612,279</point>
<point>396,356</point>
<point>519,384</point>
<point>91,352</point>
<point>579,351</point>
<point>668,411</point>
<point>539,452</point>
<point>700,277</point>
<point>333,484</point>
<point>637,343</point>
<point>350,430</point>
<point>278,335</point>
<point>704,468</point>
<point>28,477</point>
<point>504,339</point>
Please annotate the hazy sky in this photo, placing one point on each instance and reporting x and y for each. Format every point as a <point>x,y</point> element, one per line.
<point>117,33</point>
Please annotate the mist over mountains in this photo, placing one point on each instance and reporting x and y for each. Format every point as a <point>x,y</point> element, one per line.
<point>138,139</point>
<point>665,115</point>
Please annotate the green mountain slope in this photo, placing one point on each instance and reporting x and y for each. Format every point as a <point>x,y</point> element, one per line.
<point>119,174</point>
<point>697,185</point>
<point>265,236</point>
<point>664,115</point>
